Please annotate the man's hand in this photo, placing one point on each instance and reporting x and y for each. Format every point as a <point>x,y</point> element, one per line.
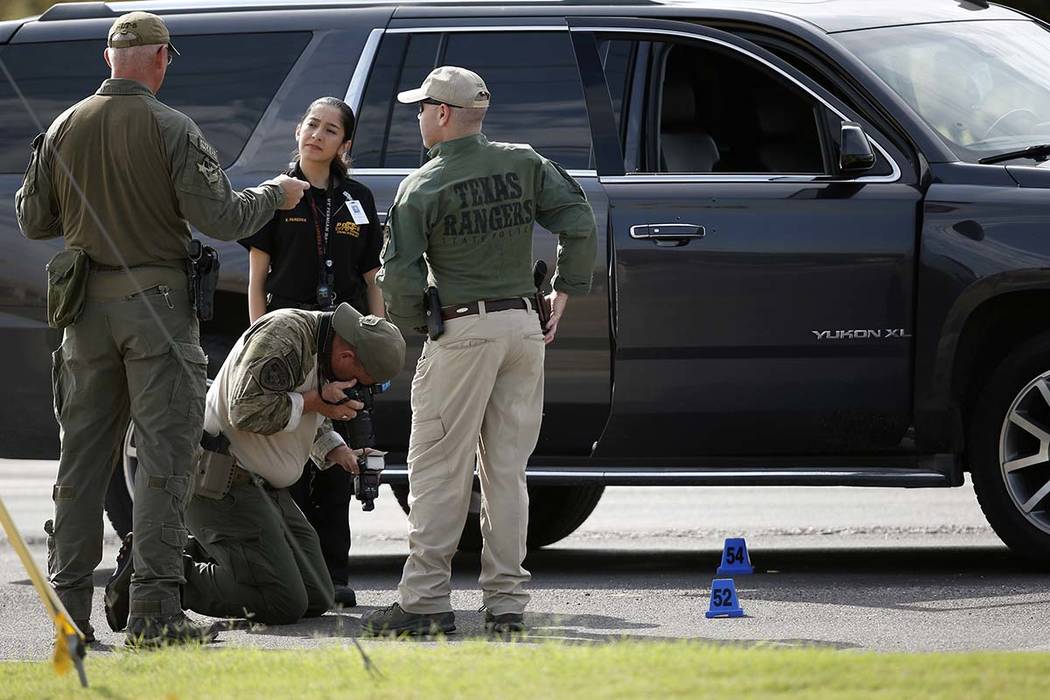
<point>345,458</point>
<point>332,392</point>
<point>293,190</point>
<point>558,301</point>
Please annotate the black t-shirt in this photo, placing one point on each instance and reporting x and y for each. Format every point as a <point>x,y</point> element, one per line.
<point>291,240</point>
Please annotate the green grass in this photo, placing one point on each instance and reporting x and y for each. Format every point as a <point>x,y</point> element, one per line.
<point>539,672</point>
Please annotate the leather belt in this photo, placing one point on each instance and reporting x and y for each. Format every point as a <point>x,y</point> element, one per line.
<point>458,310</point>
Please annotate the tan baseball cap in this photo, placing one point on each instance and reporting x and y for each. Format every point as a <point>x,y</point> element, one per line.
<point>452,85</point>
<point>139,29</point>
<point>380,345</point>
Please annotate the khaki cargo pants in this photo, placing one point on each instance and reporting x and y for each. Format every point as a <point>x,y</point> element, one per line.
<point>267,562</point>
<point>136,355</point>
<point>477,392</point>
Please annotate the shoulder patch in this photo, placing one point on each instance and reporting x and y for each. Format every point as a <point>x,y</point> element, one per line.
<point>275,375</point>
<point>369,320</point>
<point>198,142</point>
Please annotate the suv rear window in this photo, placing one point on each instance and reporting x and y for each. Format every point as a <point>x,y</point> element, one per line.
<point>224,83</point>
<point>537,97</point>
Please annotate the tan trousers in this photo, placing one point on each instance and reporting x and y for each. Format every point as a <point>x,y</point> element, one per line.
<point>478,391</point>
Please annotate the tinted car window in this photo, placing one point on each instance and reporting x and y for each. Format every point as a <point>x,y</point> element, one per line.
<point>537,95</point>
<point>719,113</point>
<point>387,134</point>
<point>707,110</point>
<point>984,87</point>
<point>617,60</point>
<point>224,83</point>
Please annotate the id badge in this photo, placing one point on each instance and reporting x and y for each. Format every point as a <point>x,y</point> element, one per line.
<point>357,212</point>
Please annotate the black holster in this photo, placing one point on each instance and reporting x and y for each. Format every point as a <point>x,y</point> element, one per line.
<point>432,307</point>
<point>204,278</point>
<point>539,301</point>
<point>215,467</point>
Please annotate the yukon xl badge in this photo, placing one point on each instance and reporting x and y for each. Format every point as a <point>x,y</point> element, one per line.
<point>862,334</point>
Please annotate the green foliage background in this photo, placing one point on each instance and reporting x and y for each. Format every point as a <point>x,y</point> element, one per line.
<point>13,9</point>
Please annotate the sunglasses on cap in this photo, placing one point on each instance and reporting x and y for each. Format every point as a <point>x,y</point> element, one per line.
<point>430,101</point>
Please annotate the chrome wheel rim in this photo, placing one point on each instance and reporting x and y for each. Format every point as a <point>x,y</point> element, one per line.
<point>1024,452</point>
<point>130,460</point>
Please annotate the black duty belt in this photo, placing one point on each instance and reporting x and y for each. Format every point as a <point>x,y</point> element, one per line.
<point>172,264</point>
<point>458,310</point>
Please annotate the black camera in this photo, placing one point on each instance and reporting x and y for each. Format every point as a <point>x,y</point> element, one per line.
<point>366,482</point>
<point>325,296</point>
<point>326,289</point>
<point>359,433</point>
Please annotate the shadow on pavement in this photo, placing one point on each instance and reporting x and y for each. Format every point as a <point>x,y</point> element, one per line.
<point>929,579</point>
<point>543,628</point>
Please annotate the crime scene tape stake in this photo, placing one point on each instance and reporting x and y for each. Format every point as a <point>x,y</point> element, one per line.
<point>69,640</point>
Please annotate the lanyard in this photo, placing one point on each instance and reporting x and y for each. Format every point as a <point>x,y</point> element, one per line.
<point>323,258</point>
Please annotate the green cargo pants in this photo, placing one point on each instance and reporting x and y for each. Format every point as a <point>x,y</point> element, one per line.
<point>267,562</point>
<point>138,355</point>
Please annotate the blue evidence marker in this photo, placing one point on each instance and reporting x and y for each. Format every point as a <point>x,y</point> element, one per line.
<point>724,600</point>
<point>735,560</point>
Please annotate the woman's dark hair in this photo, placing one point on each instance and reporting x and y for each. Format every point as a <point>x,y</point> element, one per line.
<point>340,166</point>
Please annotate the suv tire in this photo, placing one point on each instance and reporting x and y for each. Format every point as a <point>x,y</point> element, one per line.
<point>1009,427</point>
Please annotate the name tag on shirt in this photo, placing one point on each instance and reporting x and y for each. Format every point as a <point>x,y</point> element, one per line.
<point>357,212</point>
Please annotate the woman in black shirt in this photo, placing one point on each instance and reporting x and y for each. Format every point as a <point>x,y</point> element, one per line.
<point>325,250</point>
<point>322,252</point>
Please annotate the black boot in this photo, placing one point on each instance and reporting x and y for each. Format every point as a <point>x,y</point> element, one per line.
<point>506,623</point>
<point>118,588</point>
<point>157,631</point>
<point>345,596</point>
<point>87,630</point>
<point>394,621</point>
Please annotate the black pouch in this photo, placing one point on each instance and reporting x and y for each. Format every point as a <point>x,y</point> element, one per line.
<point>204,278</point>
<point>432,307</point>
<point>67,276</point>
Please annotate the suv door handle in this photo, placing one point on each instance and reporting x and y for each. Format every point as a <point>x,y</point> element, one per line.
<point>668,234</point>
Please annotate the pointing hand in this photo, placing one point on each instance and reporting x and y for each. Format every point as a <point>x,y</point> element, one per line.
<point>293,191</point>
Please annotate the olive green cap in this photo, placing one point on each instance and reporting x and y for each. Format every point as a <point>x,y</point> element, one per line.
<point>139,29</point>
<point>380,345</point>
<point>452,85</point>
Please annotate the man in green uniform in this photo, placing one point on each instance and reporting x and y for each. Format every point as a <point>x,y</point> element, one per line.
<point>273,401</point>
<point>122,176</point>
<point>464,222</point>
<point>263,558</point>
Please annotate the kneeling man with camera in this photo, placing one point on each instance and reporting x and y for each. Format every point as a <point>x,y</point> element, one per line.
<point>269,409</point>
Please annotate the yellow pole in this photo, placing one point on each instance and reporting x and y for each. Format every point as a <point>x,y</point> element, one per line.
<point>69,642</point>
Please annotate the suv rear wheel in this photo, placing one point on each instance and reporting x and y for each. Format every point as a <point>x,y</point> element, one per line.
<point>555,512</point>
<point>1010,449</point>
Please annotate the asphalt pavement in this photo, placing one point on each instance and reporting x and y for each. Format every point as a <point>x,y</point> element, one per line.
<point>865,569</point>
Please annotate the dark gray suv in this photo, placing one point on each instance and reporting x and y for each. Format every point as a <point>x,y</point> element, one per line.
<point>824,226</point>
